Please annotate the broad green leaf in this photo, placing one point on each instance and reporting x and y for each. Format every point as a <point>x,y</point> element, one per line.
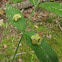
<point>34,1</point>
<point>16,1</point>
<point>53,7</point>
<point>10,12</point>
<point>43,51</point>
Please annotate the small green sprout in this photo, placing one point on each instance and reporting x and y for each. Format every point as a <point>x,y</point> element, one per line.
<point>36,39</point>
<point>16,17</point>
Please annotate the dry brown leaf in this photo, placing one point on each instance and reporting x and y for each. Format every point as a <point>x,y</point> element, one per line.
<point>20,60</point>
<point>26,16</point>
<point>30,10</point>
<point>1,12</point>
<point>35,26</point>
<point>45,18</point>
<point>49,36</point>
<point>5,46</point>
<point>1,21</point>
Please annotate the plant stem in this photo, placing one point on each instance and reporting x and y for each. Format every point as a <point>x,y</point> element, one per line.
<point>17,48</point>
<point>33,13</point>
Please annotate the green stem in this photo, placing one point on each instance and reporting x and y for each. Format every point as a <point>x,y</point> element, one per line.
<point>17,48</point>
<point>33,13</point>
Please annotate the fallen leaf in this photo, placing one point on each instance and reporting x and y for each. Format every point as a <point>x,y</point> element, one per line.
<point>1,12</point>
<point>20,60</point>
<point>35,26</point>
<point>30,10</point>
<point>1,22</point>
<point>48,36</point>
<point>20,44</point>
<point>5,46</point>
<point>44,17</point>
<point>26,16</point>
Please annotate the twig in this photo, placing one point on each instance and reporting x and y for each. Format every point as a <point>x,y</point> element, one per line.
<point>23,53</point>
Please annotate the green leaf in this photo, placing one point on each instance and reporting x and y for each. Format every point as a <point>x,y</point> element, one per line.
<point>53,7</point>
<point>34,2</point>
<point>16,1</point>
<point>44,52</point>
<point>10,12</point>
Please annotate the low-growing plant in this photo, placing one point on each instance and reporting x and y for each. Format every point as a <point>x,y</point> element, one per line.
<point>41,48</point>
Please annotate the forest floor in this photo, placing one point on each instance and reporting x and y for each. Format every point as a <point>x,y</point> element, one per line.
<point>43,22</point>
